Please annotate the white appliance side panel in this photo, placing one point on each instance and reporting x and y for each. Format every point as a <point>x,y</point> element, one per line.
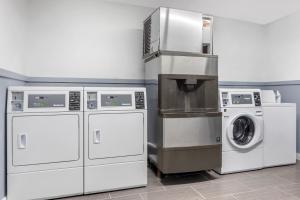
<point>237,161</point>
<point>280,135</point>
<point>116,135</point>
<point>45,139</point>
<point>45,184</point>
<point>117,176</point>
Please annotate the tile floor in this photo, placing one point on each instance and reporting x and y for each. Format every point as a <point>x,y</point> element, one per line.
<point>278,183</point>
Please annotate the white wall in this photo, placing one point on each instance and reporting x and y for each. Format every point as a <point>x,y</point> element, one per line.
<point>241,49</point>
<point>12,29</point>
<point>84,38</point>
<point>283,42</point>
<point>96,39</point>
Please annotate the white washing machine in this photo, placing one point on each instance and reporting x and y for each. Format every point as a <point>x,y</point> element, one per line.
<point>44,142</point>
<point>115,124</point>
<point>242,130</point>
<point>279,131</point>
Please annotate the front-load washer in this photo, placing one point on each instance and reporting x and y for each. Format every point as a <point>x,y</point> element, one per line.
<point>115,138</point>
<point>242,130</point>
<point>44,142</point>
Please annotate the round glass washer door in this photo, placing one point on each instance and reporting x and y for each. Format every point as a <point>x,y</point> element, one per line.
<point>245,131</point>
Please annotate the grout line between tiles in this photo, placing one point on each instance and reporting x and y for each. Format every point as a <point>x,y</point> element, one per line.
<point>138,193</point>
<point>109,196</point>
<point>234,197</point>
<point>286,192</point>
<point>199,193</point>
<point>124,195</point>
<point>164,188</point>
<point>141,196</point>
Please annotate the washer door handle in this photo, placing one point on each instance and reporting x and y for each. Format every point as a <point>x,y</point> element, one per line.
<point>22,141</point>
<point>97,135</point>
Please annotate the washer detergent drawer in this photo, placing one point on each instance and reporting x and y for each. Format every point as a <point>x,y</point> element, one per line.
<point>115,135</point>
<point>44,139</point>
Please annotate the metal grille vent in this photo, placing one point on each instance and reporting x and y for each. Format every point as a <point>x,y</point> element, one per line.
<point>147,36</point>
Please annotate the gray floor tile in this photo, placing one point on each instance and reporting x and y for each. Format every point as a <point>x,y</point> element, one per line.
<point>293,175</point>
<point>277,183</point>
<point>128,192</point>
<point>132,197</point>
<point>213,176</point>
<point>293,189</point>
<point>227,197</point>
<point>270,193</point>
<point>258,182</point>
<point>173,194</point>
<point>214,189</point>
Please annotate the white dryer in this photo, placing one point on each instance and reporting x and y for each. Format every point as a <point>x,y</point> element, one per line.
<point>279,130</point>
<point>115,124</point>
<point>44,142</point>
<point>242,130</point>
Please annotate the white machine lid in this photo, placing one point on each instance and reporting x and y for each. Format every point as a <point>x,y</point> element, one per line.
<point>268,96</point>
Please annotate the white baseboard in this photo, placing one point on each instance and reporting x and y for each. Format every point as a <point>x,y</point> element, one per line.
<point>298,156</point>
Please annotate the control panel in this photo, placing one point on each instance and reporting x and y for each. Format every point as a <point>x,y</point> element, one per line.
<point>74,100</point>
<point>241,99</point>
<point>257,98</point>
<point>92,100</point>
<point>17,101</point>
<point>116,100</point>
<point>46,100</point>
<point>231,97</point>
<point>225,98</point>
<point>139,100</point>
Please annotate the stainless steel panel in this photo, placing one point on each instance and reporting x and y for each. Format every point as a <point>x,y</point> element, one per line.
<point>189,132</point>
<point>189,65</point>
<point>180,30</point>
<point>188,159</point>
<point>179,64</point>
<point>187,93</point>
<point>177,30</point>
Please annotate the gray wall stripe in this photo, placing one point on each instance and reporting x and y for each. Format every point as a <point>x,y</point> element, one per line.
<point>12,75</point>
<point>16,76</point>
<point>83,80</point>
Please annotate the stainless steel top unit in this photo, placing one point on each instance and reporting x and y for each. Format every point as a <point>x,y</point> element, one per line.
<point>177,30</point>
<point>185,124</point>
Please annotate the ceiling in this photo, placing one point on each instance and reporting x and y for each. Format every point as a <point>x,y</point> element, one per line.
<point>257,11</point>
